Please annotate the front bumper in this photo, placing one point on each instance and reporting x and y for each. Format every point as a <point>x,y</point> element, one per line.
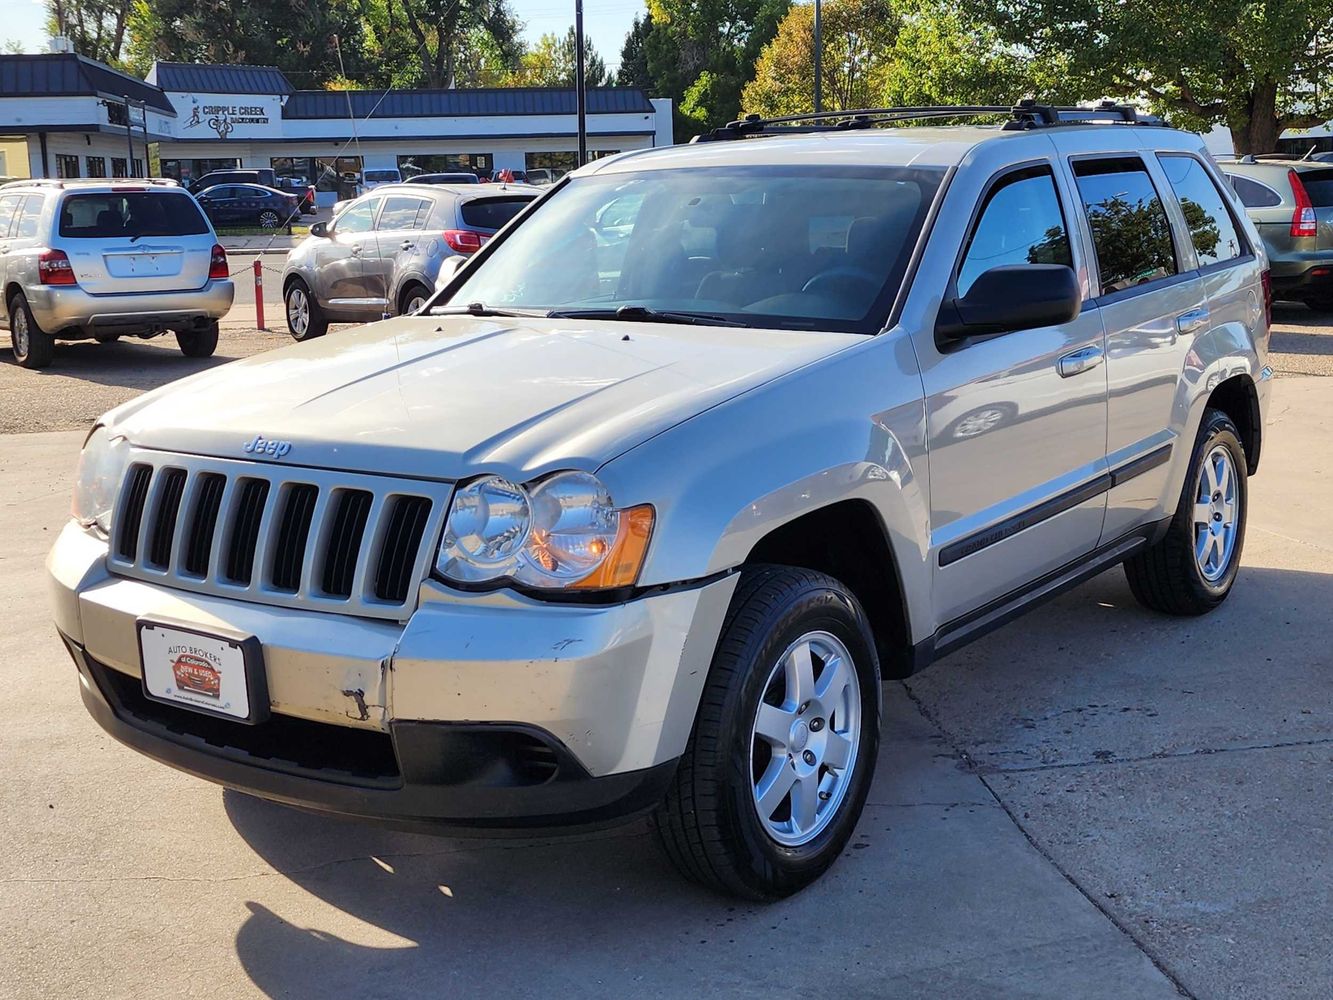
<point>58,308</point>
<point>483,711</point>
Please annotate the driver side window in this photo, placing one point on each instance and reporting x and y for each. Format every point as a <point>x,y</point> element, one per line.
<point>359,218</point>
<point>1021,223</point>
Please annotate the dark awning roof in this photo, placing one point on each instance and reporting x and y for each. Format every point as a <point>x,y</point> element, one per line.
<point>202,78</point>
<point>65,74</point>
<point>463,103</point>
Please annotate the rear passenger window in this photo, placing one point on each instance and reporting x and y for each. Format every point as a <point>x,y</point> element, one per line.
<point>1021,223</point>
<point>1253,194</point>
<point>30,217</point>
<point>402,213</point>
<point>1212,230</point>
<point>1130,229</point>
<point>8,209</point>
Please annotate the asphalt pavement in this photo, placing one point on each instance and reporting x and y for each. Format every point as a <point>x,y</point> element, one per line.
<point>1092,802</point>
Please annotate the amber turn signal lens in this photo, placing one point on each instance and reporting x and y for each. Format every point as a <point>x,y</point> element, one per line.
<point>621,567</point>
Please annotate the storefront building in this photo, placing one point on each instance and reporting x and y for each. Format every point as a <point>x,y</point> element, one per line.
<point>207,117</point>
<point>62,115</point>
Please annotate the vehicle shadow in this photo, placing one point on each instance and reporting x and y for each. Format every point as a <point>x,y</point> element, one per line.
<point>602,913</point>
<point>129,363</point>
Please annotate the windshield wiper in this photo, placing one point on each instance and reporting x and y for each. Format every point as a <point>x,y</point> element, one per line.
<point>643,314</point>
<point>482,309</point>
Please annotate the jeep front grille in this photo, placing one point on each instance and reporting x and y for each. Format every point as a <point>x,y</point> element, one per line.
<point>283,535</point>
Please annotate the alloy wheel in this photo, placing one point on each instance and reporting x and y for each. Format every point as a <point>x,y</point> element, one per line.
<point>805,738</point>
<point>298,311</point>
<point>18,329</point>
<point>269,220</point>
<point>1216,506</point>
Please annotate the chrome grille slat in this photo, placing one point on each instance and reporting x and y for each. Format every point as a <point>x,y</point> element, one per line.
<point>303,534</point>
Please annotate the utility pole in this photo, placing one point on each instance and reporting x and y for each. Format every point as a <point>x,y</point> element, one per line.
<point>819,62</point>
<point>580,91</point>
<point>129,139</point>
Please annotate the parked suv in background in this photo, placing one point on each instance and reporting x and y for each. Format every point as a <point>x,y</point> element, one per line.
<point>382,252</point>
<point>1291,203</point>
<point>104,259</point>
<point>639,525</point>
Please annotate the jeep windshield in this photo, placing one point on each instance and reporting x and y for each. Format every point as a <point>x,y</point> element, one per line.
<point>799,248</point>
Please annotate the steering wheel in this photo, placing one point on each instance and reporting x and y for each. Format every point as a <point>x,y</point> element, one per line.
<point>843,280</point>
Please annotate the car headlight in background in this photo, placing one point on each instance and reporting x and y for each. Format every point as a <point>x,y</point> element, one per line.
<point>101,465</point>
<point>560,532</point>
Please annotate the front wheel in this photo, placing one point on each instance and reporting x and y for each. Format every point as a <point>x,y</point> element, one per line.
<point>305,320</point>
<point>776,771</point>
<point>1192,569</point>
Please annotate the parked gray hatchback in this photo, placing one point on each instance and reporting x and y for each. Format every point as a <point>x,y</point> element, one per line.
<point>380,256</point>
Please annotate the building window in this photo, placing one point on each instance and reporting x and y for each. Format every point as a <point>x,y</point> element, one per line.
<point>96,166</point>
<point>189,170</point>
<point>138,168</point>
<point>118,166</point>
<point>445,163</point>
<point>562,161</point>
<point>341,174</point>
<point>66,165</point>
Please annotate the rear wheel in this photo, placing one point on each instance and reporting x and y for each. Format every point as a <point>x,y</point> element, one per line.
<point>305,320</point>
<point>413,299</point>
<point>33,347</point>
<point>269,219</point>
<point>778,766</point>
<point>199,343</point>
<point>1192,569</point>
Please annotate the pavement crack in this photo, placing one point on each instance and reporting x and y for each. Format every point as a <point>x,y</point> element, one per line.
<point>1158,962</point>
<point>989,769</point>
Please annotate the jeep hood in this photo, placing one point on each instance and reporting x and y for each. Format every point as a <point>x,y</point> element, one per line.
<point>448,397</point>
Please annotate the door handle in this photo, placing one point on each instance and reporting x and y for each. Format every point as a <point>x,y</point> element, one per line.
<point>1079,361</point>
<point>1189,322</point>
<point>356,251</point>
<point>407,245</point>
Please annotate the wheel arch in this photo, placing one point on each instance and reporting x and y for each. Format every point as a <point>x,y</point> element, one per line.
<point>1238,398</point>
<point>847,541</point>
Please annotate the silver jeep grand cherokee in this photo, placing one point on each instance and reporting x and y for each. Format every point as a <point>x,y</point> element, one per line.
<point>638,515</point>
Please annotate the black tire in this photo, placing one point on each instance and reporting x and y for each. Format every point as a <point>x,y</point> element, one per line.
<point>409,294</point>
<point>199,343</point>
<point>107,338</point>
<point>316,323</point>
<point>709,826</point>
<point>33,347</point>
<point>1167,577</point>
<point>268,219</point>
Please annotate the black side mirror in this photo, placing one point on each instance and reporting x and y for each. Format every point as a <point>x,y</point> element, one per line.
<point>1009,298</point>
<point>320,229</point>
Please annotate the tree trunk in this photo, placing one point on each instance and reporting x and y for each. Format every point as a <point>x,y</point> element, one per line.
<point>1259,132</point>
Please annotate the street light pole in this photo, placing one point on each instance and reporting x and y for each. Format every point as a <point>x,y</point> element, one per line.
<point>580,91</point>
<point>819,62</point>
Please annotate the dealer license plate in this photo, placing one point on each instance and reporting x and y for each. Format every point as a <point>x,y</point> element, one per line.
<point>208,673</point>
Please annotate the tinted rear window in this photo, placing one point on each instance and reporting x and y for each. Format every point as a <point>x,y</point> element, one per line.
<point>492,213</point>
<point>381,175</point>
<point>1319,186</point>
<point>131,213</point>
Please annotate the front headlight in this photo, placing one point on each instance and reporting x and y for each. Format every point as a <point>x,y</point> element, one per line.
<point>101,466</point>
<point>563,531</point>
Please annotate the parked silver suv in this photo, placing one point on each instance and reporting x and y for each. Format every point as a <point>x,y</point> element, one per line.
<point>638,524</point>
<point>381,254</point>
<point>104,259</point>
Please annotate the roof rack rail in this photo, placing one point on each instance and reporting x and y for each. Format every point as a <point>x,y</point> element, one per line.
<point>64,182</point>
<point>1026,114</point>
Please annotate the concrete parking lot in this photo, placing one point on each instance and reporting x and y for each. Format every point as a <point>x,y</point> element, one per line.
<point>1094,802</point>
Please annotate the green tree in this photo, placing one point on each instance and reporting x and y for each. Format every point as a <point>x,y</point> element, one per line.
<point>633,71</point>
<point>441,29</point>
<point>722,38</point>
<point>857,41</point>
<point>96,27</point>
<point>1256,66</point>
<point>552,62</point>
<point>294,35</point>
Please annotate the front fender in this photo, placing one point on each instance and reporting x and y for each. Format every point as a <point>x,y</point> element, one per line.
<point>848,427</point>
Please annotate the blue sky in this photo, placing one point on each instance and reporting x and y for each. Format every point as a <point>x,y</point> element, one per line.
<point>606,22</point>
